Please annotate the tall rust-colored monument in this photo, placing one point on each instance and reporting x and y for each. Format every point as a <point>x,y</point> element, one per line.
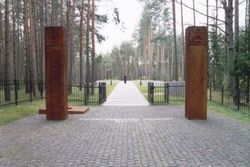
<point>57,107</point>
<point>196,72</point>
<point>56,73</point>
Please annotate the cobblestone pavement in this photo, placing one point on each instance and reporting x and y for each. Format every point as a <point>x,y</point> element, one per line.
<point>126,136</point>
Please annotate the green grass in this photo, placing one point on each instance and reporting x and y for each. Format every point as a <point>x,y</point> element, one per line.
<point>143,88</point>
<point>13,113</point>
<point>111,87</point>
<point>215,107</point>
<point>79,94</point>
<point>172,103</point>
<point>160,97</point>
<point>22,96</point>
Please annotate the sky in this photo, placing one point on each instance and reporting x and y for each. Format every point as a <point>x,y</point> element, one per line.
<point>130,14</point>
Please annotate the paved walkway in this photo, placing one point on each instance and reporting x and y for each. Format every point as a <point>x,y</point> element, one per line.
<point>126,95</point>
<point>126,136</point>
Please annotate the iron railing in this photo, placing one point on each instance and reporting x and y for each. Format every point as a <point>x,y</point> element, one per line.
<point>165,92</point>
<point>16,92</point>
<point>239,101</point>
<point>102,93</point>
<point>95,94</point>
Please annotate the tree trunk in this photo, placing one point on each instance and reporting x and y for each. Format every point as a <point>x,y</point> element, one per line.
<point>81,44</point>
<point>72,47</point>
<point>194,12</point>
<point>41,49</point>
<point>1,46</point>
<point>176,76</point>
<point>14,37</point>
<point>93,47</point>
<point>230,46</point>
<point>53,10</point>
<point>46,12</point>
<point>158,50</point>
<point>163,72</point>
<point>248,25</point>
<point>87,48</point>
<point>32,45</point>
<point>248,32</point>
<point>236,39</point>
<point>62,16</point>
<point>183,43</point>
<point>149,49</point>
<point>170,62</point>
<point>26,46</point>
<point>7,93</point>
<point>207,13</point>
<point>248,88</point>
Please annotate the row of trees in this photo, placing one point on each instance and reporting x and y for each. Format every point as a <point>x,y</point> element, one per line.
<point>230,48</point>
<point>151,54</point>
<point>22,25</point>
<point>157,52</point>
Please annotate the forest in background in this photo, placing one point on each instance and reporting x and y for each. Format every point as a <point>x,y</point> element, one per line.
<point>22,49</point>
<point>156,52</point>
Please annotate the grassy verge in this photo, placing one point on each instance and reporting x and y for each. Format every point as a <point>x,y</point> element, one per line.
<point>12,113</point>
<point>143,88</point>
<point>215,107</point>
<point>172,103</point>
<point>111,87</point>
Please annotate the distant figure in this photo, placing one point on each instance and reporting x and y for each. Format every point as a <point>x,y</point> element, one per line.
<point>125,79</point>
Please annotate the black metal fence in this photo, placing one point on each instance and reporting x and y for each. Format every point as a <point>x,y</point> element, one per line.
<point>238,101</point>
<point>95,94</point>
<point>165,92</point>
<point>102,93</point>
<point>16,92</point>
<point>160,93</point>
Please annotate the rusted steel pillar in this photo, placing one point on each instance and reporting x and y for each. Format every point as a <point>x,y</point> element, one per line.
<point>56,73</point>
<point>196,72</point>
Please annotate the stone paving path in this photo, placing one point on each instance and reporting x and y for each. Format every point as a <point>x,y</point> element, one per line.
<point>126,136</point>
<point>126,95</point>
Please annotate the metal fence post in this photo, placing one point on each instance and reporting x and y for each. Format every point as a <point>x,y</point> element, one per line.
<point>167,93</point>
<point>148,91</point>
<point>31,90</point>
<point>238,99</point>
<point>105,91</point>
<point>16,91</point>
<point>152,92</point>
<point>40,87</point>
<point>210,91</point>
<point>222,94</point>
<point>100,93</point>
<point>85,94</point>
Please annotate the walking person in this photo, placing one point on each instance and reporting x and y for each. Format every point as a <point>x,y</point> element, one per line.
<point>125,79</point>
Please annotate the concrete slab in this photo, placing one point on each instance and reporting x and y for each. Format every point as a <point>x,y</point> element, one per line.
<point>71,110</point>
